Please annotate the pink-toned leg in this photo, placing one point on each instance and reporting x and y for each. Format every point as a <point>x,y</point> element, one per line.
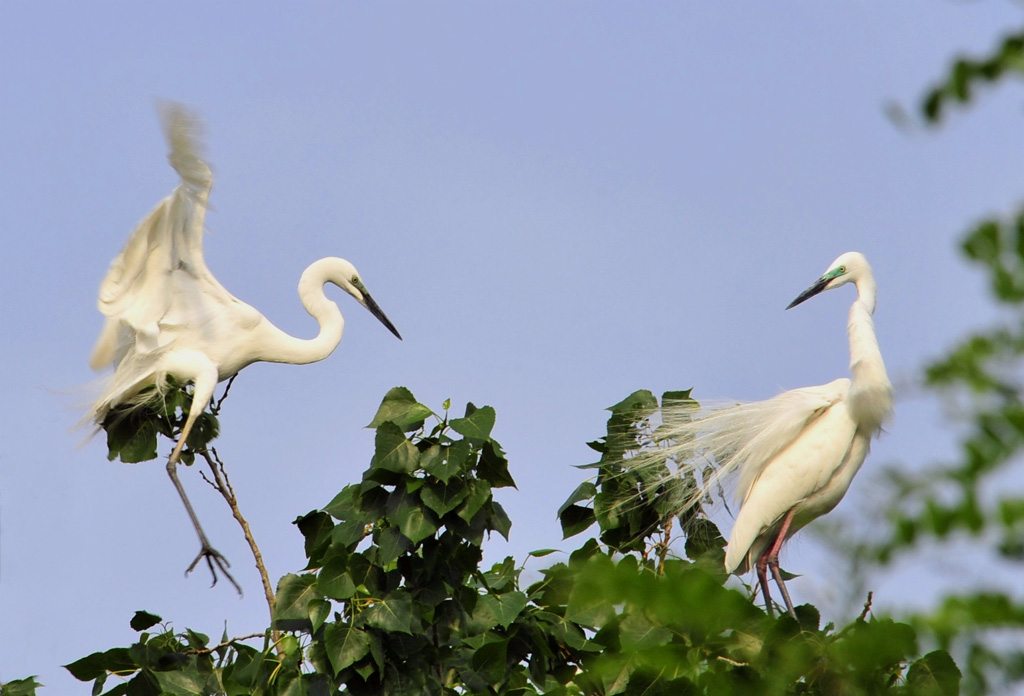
<point>772,560</point>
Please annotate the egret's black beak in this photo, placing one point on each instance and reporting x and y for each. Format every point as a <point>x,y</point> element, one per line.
<point>376,311</point>
<point>810,292</point>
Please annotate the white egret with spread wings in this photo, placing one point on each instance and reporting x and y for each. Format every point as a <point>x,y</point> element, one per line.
<point>168,317</point>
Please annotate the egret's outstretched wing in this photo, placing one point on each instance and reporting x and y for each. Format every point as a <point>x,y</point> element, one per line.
<point>737,440</point>
<point>160,275</point>
<point>161,302</point>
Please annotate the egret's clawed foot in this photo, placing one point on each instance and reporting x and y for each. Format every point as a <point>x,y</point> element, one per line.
<point>214,560</point>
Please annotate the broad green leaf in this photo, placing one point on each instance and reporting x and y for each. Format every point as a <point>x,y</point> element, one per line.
<point>445,462</point>
<point>585,491</point>
<point>408,512</point>
<point>143,620</point>
<point>574,519</point>
<point>392,613</point>
<point>131,440</point>
<point>638,633</point>
<point>393,452</point>
<point>477,425</point>
<point>493,466</point>
<point>333,580</point>
<point>499,610</point>
<point>115,660</point>
<point>640,399</point>
<point>319,610</point>
<point>499,520</point>
<point>479,494</point>
<point>401,408</point>
<point>491,660</point>
<point>345,645</point>
<point>294,593</point>
<point>442,498</point>
<point>391,543</point>
<point>935,674</point>
<point>181,683</point>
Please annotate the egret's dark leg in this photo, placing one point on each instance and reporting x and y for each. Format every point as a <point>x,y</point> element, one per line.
<point>772,560</point>
<point>214,559</point>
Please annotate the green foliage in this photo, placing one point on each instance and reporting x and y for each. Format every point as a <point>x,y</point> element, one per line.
<point>133,430</point>
<point>967,73</point>
<point>20,687</point>
<point>394,599</point>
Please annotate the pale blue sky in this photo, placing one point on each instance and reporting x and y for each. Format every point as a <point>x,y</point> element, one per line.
<point>556,204</point>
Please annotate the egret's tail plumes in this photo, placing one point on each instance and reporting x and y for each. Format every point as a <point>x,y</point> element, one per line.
<point>733,443</point>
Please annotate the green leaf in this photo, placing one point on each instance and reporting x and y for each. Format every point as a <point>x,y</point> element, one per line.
<point>115,660</point>
<point>493,466</point>
<point>585,491</point>
<point>131,440</point>
<point>415,521</point>
<point>445,462</point>
<point>477,425</point>
<point>491,660</point>
<point>294,593</point>
<point>391,543</point>
<point>393,452</point>
<point>442,498</point>
<point>181,683</point>
<point>400,408</point>
<point>574,519</point>
<point>479,494</point>
<point>641,399</point>
<point>638,633</point>
<point>499,610</point>
<point>319,610</point>
<point>392,613</point>
<point>935,674</point>
<point>143,620</point>
<point>333,580</point>
<point>20,687</point>
<point>345,645</point>
<point>499,520</point>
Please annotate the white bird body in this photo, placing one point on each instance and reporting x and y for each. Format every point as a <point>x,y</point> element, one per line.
<point>794,456</point>
<point>167,316</point>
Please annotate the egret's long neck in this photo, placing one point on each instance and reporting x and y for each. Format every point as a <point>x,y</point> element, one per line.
<point>298,351</point>
<point>870,397</point>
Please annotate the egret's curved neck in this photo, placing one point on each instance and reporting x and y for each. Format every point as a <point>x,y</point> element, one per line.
<point>298,351</point>
<point>870,398</point>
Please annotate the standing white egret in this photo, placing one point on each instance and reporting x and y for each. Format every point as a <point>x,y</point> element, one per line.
<point>795,455</point>
<point>168,317</point>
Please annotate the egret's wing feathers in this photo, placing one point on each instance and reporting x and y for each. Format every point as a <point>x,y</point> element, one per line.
<point>160,279</point>
<point>738,440</point>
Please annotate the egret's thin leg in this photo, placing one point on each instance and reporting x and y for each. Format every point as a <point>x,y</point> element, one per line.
<point>773,561</point>
<point>213,556</point>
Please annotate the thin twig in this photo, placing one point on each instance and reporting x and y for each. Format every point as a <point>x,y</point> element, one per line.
<point>223,486</point>
<point>216,403</point>
<point>867,607</point>
<point>663,546</point>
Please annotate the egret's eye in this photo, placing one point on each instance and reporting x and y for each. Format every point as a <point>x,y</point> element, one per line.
<point>355,280</point>
<point>842,269</point>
